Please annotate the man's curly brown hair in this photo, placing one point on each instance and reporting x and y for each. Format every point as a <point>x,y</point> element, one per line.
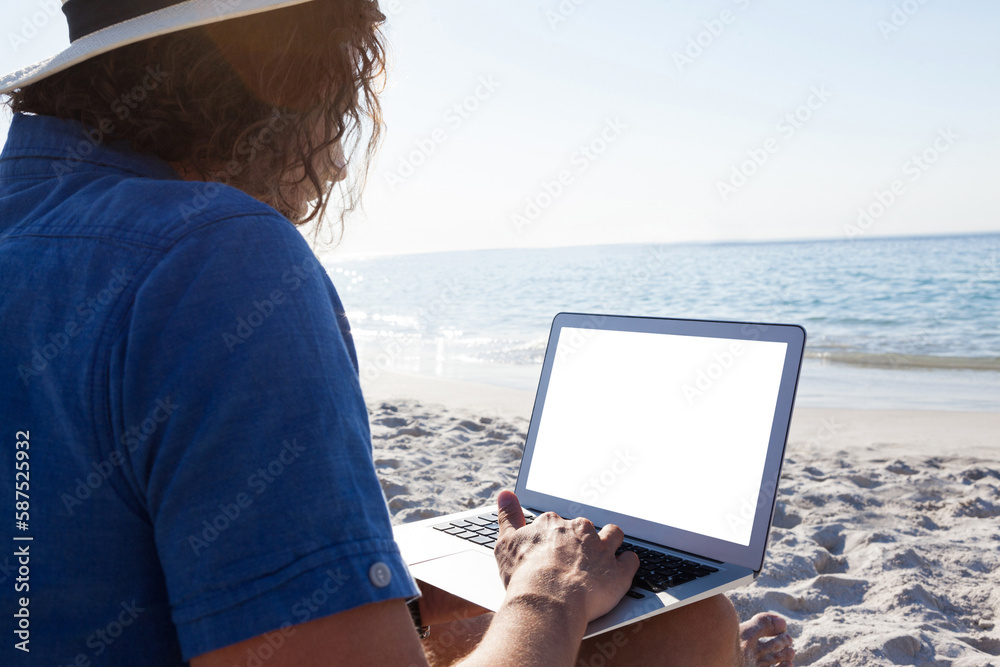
<point>258,102</point>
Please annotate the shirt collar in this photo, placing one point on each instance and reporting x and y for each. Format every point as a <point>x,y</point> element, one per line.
<point>76,145</point>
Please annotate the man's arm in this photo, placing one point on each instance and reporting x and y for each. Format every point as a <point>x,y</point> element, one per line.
<point>528,630</point>
<point>380,633</point>
<point>560,575</point>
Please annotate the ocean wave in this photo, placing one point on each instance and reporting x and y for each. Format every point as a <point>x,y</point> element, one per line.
<point>894,360</point>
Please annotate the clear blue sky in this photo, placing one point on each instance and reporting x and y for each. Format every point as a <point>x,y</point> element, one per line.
<point>665,120</point>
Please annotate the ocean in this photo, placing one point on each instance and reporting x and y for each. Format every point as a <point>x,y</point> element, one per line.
<point>901,323</point>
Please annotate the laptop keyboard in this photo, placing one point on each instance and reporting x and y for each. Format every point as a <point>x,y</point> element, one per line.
<point>482,529</point>
<point>657,572</point>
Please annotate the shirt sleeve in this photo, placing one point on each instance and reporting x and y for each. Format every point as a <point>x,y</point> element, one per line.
<point>247,437</point>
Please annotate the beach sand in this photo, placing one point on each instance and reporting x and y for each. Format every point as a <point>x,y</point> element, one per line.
<point>885,548</point>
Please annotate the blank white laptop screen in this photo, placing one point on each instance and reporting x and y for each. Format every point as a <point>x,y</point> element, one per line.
<point>669,428</point>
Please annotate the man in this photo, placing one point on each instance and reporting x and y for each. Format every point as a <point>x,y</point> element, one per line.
<point>192,456</point>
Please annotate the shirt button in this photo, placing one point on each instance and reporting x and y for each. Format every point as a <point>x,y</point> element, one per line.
<point>380,574</point>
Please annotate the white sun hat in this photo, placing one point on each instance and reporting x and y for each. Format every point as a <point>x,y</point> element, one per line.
<point>99,26</point>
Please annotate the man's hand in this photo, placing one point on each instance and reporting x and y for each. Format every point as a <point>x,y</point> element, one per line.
<point>568,560</point>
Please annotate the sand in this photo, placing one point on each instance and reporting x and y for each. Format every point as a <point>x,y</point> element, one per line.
<point>885,548</point>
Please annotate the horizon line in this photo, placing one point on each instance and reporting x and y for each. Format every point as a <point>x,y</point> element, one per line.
<point>332,254</point>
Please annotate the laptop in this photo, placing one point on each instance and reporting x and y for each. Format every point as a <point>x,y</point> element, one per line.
<point>672,429</point>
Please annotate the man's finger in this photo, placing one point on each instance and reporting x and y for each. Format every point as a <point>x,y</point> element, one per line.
<point>510,515</point>
<point>628,563</point>
<point>612,534</point>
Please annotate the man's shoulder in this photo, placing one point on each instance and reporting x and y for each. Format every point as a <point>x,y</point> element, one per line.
<point>57,182</point>
<point>166,211</point>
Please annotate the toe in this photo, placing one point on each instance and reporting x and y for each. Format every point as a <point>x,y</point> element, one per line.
<point>762,625</point>
<point>779,643</point>
<point>776,658</point>
<point>773,651</point>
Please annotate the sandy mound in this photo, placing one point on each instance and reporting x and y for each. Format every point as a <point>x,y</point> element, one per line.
<point>432,461</point>
<point>893,562</point>
<point>874,561</point>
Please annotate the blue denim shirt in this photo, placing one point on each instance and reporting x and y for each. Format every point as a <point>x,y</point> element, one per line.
<point>180,410</point>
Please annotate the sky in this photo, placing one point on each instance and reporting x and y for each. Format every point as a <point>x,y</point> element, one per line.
<point>579,122</point>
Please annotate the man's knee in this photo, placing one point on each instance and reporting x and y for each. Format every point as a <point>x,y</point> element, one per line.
<point>720,612</point>
<point>715,615</point>
<point>703,633</point>
<point>711,627</point>
<point>717,619</point>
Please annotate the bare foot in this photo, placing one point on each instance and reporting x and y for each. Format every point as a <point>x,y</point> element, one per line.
<point>764,642</point>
